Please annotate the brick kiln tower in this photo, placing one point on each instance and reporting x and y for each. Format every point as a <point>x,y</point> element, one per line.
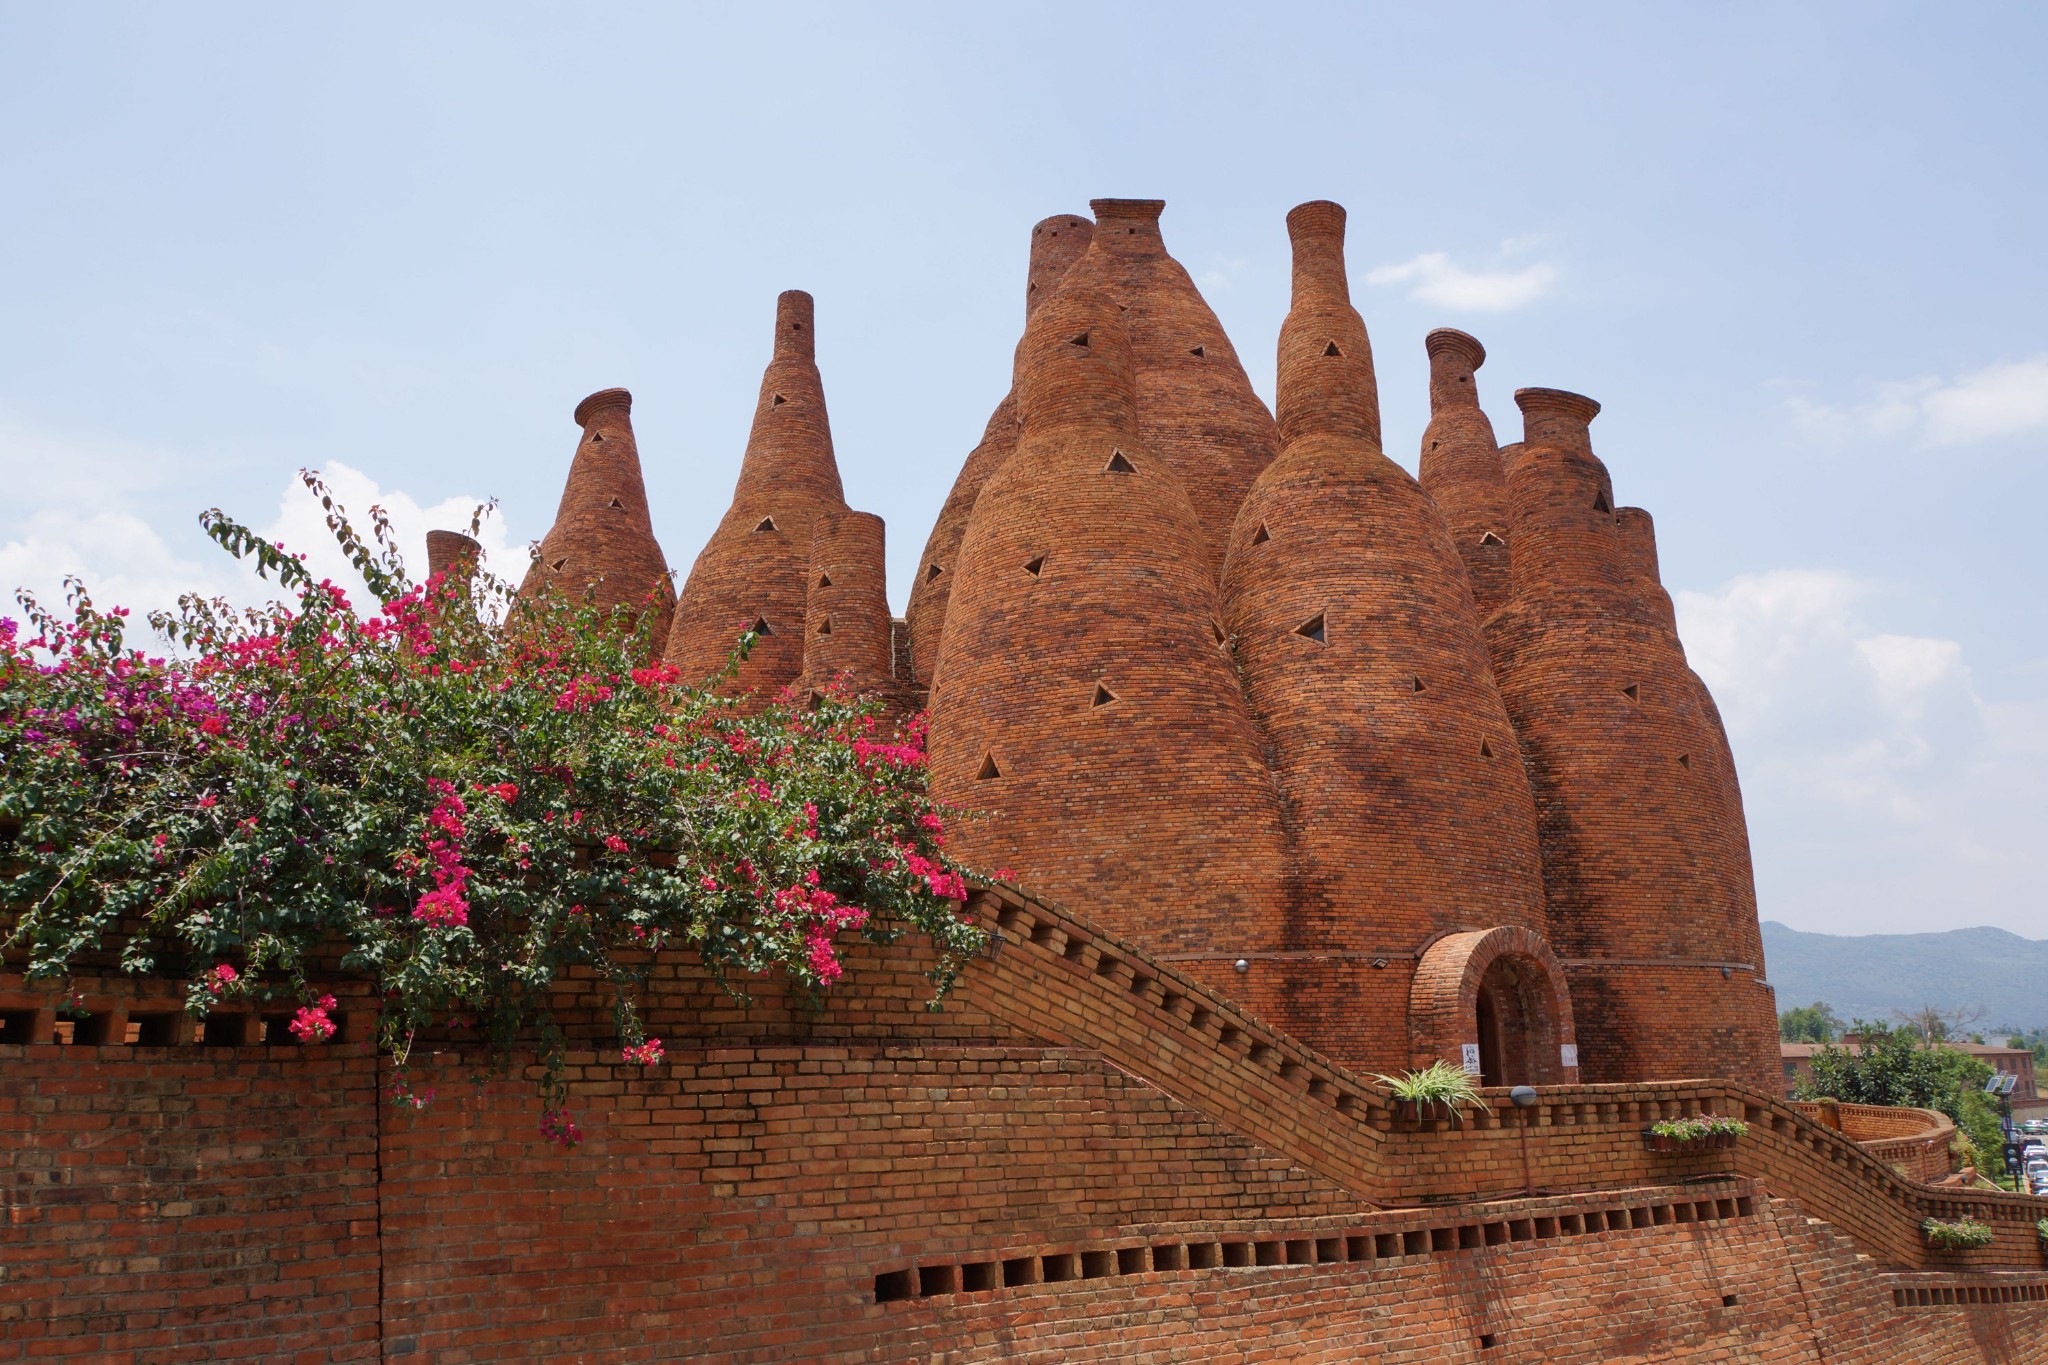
<point>1084,706</point>
<point>603,541</point>
<point>1461,466</point>
<point>1196,408</point>
<point>1361,649</point>
<point>1056,243</point>
<point>847,636</point>
<point>755,572</point>
<point>1650,895</point>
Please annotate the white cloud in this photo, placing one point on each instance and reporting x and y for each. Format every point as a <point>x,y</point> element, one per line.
<point>1884,793</point>
<point>1435,278</point>
<point>2009,398</point>
<point>102,515</point>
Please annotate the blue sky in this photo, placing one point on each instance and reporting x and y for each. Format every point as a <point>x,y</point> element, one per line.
<point>1795,251</point>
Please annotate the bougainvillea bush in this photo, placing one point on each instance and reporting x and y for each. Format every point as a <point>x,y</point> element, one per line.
<point>458,794</point>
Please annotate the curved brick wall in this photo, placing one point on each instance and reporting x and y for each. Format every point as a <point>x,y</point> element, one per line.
<point>1056,243</point>
<point>756,566</point>
<point>846,615</point>
<point>1196,408</point>
<point>603,539</point>
<point>451,552</point>
<point>1362,654</point>
<point>1651,900</point>
<point>1083,704</point>
<point>1461,466</point>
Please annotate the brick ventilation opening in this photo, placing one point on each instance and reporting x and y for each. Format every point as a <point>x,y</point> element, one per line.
<point>1633,692</point>
<point>1728,1300</point>
<point>1487,1339</point>
<point>824,580</point>
<point>1081,340</point>
<point>1035,567</point>
<point>1685,761</point>
<point>597,438</point>
<point>1199,351</point>
<point>1103,696</point>
<point>779,401</point>
<point>825,626</point>
<point>153,1030</point>
<point>1601,505</point>
<point>761,626</point>
<point>1331,350</point>
<point>1217,631</point>
<point>1118,464</point>
<point>223,1030</point>
<point>617,504</point>
<point>1262,535</point>
<point>1485,749</point>
<point>1314,629</point>
<point>988,768</point>
<point>893,1285</point>
<point>1491,539</point>
<point>1418,685</point>
<point>560,564</point>
<point>765,524</point>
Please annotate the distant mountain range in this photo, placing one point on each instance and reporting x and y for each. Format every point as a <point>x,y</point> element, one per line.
<point>1869,975</point>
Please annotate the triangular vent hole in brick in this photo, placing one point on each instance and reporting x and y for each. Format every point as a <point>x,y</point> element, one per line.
<point>1036,567</point>
<point>765,524</point>
<point>761,626</point>
<point>1418,685</point>
<point>1081,340</point>
<point>1485,749</point>
<point>1217,631</point>
<point>616,503</point>
<point>779,401</point>
<point>1632,692</point>
<point>931,575</point>
<point>1262,535</point>
<point>1118,464</point>
<point>1331,349</point>
<point>824,580</point>
<point>988,768</point>
<point>1313,629</point>
<point>1200,352</point>
<point>1600,503</point>
<point>1491,539</point>
<point>825,626</point>
<point>559,565</point>
<point>597,438</point>
<point>1685,761</point>
<point>1103,696</point>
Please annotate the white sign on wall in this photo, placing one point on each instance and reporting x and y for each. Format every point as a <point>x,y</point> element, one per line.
<point>1568,1054</point>
<point>1471,1059</point>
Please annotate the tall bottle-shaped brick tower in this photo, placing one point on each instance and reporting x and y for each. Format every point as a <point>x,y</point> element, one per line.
<point>1362,654</point>
<point>1637,533</point>
<point>847,641</point>
<point>1083,705</point>
<point>754,573</point>
<point>602,542</point>
<point>1461,466</point>
<point>1647,880</point>
<point>1196,408</point>
<point>1056,243</point>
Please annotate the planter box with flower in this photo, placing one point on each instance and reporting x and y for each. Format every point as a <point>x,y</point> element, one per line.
<point>1438,1092</point>
<point>1701,1133</point>
<point>1963,1234</point>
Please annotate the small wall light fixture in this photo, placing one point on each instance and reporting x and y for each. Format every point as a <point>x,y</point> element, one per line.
<point>1242,964</point>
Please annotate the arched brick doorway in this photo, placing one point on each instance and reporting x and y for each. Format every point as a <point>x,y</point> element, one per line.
<point>1501,991</point>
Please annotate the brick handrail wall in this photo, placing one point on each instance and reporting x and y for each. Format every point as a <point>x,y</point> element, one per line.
<point>1913,1142</point>
<point>1056,976</point>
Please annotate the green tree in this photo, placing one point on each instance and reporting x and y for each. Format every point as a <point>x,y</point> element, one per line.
<point>1815,1023</point>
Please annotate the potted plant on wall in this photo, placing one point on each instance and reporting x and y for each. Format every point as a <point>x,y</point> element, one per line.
<point>1438,1091</point>
<point>1700,1133</point>
<point>1961,1234</point>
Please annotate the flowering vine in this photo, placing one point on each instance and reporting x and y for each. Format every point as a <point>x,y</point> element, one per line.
<point>457,794</point>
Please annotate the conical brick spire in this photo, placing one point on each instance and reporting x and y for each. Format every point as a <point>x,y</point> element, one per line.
<point>847,629</point>
<point>753,573</point>
<point>1461,466</point>
<point>1648,884</point>
<point>1084,703</point>
<point>1196,408</point>
<point>1638,535</point>
<point>603,541</point>
<point>1056,243</point>
<point>1363,657</point>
